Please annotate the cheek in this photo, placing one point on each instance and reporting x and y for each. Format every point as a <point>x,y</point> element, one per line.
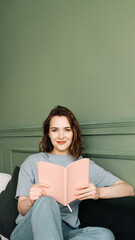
<point>71,137</point>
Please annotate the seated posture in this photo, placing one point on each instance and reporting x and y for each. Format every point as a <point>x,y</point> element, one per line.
<point>40,216</point>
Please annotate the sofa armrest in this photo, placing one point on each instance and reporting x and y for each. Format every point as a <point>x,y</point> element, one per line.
<point>8,206</point>
<point>117,214</point>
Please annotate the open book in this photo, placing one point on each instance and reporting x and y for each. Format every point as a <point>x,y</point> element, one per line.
<point>63,181</point>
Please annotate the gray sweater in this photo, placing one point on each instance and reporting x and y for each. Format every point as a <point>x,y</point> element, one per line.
<point>28,176</point>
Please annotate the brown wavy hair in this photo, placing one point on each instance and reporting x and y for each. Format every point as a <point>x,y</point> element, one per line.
<point>76,147</point>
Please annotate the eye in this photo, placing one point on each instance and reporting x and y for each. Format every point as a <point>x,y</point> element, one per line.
<point>68,129</point>
<point>54,130</point>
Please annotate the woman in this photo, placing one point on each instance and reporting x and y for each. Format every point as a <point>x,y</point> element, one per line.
<point>41,217</point>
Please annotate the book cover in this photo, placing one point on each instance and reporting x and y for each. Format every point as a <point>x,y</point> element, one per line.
<point>63,181</point>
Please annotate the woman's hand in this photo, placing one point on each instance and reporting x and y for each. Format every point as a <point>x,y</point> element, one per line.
<point>87,191</point>
<point>90,191</point>
<point>37,190</point>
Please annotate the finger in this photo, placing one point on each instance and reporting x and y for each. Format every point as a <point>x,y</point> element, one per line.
<point>36,195</point>
<point>91,188</point>
<point>36,191</point>
<point>84,196</point>
<point>83,186</point>
<point>41,184</point>
<point>91,194</point>
<point>33,198</point>
<point>43,191</point>
<point>82,191</point>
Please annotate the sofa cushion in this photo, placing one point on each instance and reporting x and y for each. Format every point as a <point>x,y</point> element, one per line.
<point>117,214</point>
<point>8,206</point>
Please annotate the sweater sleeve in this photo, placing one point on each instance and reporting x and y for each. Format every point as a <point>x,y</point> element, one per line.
<point>99,176</point>
<point>25,180</point>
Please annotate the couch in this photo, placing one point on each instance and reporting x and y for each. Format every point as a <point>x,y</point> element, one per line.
<point>116,214</point>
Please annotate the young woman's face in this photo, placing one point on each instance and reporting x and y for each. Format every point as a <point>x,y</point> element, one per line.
<point>61,135</point>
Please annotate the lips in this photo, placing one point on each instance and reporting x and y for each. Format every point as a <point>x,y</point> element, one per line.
<point>61,142</point>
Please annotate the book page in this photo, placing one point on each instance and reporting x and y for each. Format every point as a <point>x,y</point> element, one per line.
<point>77,174</point>
<point>53,175</point>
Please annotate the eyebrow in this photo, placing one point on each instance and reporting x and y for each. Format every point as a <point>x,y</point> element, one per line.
<point>57,127</point>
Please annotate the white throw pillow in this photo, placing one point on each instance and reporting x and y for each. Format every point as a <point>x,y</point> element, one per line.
<point>4,179</point>
<point>3,238</point>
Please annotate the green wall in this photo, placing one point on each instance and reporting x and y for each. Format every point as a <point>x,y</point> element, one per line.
<point>77,53</point>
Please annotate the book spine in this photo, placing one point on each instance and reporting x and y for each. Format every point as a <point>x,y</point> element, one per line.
<point>65,186</point>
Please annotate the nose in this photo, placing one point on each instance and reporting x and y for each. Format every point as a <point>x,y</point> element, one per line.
<point>61,134</point>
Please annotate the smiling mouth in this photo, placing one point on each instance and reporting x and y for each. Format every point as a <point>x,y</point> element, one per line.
<point>61,142</point>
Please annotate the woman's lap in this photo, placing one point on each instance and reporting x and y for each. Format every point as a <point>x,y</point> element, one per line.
<point>24,229</point>
<point>88,233</point>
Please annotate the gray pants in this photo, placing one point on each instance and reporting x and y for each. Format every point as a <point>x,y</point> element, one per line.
<point>43,222</point>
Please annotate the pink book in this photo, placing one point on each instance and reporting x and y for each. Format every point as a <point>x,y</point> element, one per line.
<point>63,181</point>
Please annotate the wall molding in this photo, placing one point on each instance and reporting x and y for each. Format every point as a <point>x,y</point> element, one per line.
<point>88,153</point>
<point>88,129</point>
<point>21,132</point>
<point>19,150</point>
<point>128,155</point>
<point>112,128</point>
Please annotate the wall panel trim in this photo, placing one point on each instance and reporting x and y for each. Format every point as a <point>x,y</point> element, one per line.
<point>88,129</point>
<point>112,128</point>
<point>19,150</point>
<point>110,154</point>
<point>21,132</point>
